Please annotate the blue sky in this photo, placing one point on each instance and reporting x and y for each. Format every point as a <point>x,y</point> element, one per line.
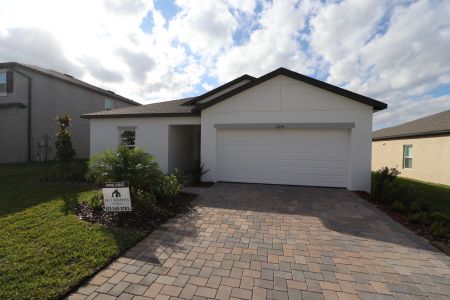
<point>393,51</point>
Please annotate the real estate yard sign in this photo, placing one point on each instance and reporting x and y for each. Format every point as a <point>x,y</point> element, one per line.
<point>116,196</point>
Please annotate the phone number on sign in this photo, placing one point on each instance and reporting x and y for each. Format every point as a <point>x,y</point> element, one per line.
<point>117,208</point>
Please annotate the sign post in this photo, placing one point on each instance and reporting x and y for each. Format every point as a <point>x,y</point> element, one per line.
<point>116,196</point>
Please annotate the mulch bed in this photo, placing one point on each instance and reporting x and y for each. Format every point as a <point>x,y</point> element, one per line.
<point>135,219</point>
<point>421,229</point>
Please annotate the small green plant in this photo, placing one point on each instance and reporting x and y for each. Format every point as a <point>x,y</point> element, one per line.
<point>384,182</point>
<point>438,229</point>
<point>65,152</point>
<point>96,203</point>
<point>398,206</point>
<point>180,175</point>
<point>439,217</point>
<point>416,217</point>
<point>167,189</point>
<point>198,171</point>
<point>144,201</point>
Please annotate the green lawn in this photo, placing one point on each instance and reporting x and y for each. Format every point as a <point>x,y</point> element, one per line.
<point>44,248</point>
<point>436,196</point>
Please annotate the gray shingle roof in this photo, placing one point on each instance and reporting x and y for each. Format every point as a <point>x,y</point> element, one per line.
<point>432,125</point>
<point>68,78</point>
<point>190,106</point>
<point>163,109</point>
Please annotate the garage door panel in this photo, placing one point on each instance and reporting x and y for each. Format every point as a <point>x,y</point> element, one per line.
<point>289,156</point>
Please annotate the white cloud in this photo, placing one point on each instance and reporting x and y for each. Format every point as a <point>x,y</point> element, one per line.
<point>407,110</point>
<point>398,64</point>
<point>205,26</point>
<point>394,51</point>
<point>274,44</point>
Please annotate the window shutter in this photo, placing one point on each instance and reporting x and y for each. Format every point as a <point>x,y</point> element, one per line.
<point>9,82</point>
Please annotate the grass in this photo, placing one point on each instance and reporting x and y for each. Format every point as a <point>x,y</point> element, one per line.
<point>45,250</point>
<point>436,196</point>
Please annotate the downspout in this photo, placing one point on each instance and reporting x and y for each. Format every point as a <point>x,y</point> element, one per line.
<point>29,111</point>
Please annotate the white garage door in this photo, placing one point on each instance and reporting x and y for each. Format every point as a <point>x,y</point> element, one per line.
<point>316,157</point>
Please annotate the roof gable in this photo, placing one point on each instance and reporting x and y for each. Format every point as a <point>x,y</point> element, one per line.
<point>437,124</point>
<point>222,89</point>
<point>377,105</point>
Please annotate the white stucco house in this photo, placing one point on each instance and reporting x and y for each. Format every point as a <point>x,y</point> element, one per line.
<point>280,128</point>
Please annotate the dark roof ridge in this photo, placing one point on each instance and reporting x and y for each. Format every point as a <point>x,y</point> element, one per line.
<point>219,88</point>
<point>377,105</point>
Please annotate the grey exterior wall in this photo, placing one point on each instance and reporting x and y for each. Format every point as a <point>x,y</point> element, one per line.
<point>50,98</point>
<point>184,147</point>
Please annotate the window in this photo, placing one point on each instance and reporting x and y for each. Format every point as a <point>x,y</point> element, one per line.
<point>2,83</point>
<point>109,104</point>
<point>127,137</point>
<point>407,156</point>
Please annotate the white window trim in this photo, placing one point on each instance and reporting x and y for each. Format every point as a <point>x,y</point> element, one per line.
<point>407,157</point>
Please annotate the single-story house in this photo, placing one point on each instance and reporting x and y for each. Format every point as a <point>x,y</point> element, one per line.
<point>280,128</point>
<point>418,149</point>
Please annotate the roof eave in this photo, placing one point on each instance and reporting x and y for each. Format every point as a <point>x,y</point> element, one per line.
<point>147,115</point>
<point>100,91</point>
<point>412,135</point>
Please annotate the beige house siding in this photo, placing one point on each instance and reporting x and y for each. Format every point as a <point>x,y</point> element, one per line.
<point>431,157</point>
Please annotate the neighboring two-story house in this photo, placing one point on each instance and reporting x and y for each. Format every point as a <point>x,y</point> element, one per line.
<point>30,100</point>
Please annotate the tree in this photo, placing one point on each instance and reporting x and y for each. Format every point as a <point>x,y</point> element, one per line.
<point>64,148</point>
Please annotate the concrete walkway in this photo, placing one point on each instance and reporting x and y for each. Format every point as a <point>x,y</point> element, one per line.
<point>250,241</point>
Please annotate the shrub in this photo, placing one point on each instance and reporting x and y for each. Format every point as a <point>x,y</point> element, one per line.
<point>136,166</point>
<point>438,229</point>
<point>167,189</point>
<point>180,175</point>
<point>439,217</point>
<point>96,203</point>
<point>144,201</point>
<point>384,182</point>
<point>149,187</point>
<point>416,217</point>
<point>198,171</point>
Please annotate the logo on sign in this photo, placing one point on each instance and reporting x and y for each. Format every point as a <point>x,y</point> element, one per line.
<point>116,194</point>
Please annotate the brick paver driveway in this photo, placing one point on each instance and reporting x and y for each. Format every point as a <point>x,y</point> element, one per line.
<point>250,241</point>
